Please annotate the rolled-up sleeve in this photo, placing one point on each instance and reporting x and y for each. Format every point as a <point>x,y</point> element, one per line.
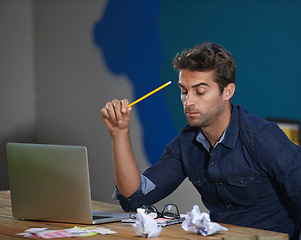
<point>133,202</point>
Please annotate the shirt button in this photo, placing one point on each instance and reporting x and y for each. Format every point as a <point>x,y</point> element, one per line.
<point>229,205</point>
<point>213,164</point>
<point>198,181</point>
<point>241,181</point>
<point>220,184</point>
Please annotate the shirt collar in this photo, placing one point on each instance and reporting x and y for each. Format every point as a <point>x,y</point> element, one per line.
<point>233,128</point>
<point>203,140</point>
<point>229,136</point>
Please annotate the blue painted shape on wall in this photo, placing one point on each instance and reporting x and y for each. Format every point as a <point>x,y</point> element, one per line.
<point>129,37</point>
<point>140,39</point>
<point>264,37</point>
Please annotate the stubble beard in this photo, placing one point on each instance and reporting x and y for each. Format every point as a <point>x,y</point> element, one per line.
<point>197,122</point>
<point>204,120</point>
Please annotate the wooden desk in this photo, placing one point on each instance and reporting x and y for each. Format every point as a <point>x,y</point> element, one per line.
<point>9,227</point>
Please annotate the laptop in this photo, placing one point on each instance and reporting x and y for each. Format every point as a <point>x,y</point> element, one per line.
<point>51,183</point>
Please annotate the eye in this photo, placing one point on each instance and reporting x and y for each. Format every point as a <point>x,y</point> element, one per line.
<point>200,91</point>
<point>183,92</point>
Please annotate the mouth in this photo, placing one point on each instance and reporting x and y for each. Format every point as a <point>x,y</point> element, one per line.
<point>191,114</point>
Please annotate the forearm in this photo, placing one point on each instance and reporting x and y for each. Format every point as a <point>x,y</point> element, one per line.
<point>126,172</point>
<point>116,116</point>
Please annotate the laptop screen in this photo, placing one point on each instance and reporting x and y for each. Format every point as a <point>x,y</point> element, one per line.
<point>49,182</point>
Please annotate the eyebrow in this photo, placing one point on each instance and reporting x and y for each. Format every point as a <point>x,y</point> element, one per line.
<point>194,86</point>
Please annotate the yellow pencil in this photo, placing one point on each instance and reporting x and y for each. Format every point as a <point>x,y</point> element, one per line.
<point>147,95</point>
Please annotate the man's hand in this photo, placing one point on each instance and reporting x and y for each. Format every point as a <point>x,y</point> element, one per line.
<point>116,115</point>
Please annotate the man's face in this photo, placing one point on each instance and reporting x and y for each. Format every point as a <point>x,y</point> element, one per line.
<point>201,97</point>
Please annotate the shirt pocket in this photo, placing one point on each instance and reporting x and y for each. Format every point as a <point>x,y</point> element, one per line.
<point>241,187</point>
<point>241,181</point>
<point>198,180</point>
<point>204,187</point>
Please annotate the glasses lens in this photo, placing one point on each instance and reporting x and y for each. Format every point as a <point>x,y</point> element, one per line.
<point>170,211</point>
<point>151,211</point>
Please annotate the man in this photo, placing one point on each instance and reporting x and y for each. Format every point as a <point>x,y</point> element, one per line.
<point>245,168</point>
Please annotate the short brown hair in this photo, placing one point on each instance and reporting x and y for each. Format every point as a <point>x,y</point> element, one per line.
<point>207,57</point>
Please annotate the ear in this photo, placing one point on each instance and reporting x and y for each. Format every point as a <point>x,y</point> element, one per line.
<point>229,91</point>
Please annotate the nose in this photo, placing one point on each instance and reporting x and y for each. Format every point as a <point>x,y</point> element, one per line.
<point>188,101</point>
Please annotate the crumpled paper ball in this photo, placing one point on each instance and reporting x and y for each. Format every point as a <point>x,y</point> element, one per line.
<point>145,225</point>
<point>199,222</point>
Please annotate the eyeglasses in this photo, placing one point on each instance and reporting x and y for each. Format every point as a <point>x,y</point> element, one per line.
<point>169,211</point>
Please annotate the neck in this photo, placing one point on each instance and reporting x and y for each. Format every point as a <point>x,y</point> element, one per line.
<point>214,131</point>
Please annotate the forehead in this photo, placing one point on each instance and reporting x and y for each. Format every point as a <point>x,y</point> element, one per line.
<point>190,78</point>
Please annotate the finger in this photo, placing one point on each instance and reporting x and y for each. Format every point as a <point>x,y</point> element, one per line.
<point>117,108</point>
<point>125,110</point>
<point>104,112</point>
<point>110,112</point>
<point>106,117</point>
<point>124,105</point>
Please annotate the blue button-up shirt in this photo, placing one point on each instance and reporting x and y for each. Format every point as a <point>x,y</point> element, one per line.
<point>252,177</point>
